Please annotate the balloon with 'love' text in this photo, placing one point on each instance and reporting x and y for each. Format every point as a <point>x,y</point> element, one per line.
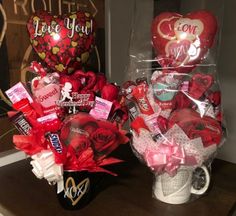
<point>63,42</point>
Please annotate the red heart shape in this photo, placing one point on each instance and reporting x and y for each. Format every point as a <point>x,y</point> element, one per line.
<point>62,41</point>
<point>87,79</point>
<point>199,84</point>
<point>80,80</point>
<point>183,39</point>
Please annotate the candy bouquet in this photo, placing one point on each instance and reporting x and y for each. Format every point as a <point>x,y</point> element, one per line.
<point>69,120</point>
<point>175,105</point>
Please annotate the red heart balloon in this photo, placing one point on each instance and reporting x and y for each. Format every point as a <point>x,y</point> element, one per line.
<point>182,41</point>
<point>63,42</point>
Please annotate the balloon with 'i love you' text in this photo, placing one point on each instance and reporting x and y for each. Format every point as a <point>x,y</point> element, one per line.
<point>63,42</point>
<point>183,41</point>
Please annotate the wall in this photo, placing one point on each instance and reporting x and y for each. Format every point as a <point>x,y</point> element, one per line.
<point>227,70</point>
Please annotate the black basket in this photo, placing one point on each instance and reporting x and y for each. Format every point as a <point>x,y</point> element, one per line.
<point>79,189</point>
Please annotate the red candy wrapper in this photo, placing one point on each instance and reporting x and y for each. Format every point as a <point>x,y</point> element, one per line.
<point>140,94</point>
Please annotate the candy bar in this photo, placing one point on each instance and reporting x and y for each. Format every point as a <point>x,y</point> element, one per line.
<point>133,111</point>
<point>55,142</point>
<point>21,124</point>
<point>140,95</point>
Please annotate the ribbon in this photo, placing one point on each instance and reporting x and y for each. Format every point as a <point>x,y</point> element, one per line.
<point>44,166</point>
<point>168,158</point>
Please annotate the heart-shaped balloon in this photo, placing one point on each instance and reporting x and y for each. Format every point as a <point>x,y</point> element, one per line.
<point>63,42</point>
<point>182,41</point>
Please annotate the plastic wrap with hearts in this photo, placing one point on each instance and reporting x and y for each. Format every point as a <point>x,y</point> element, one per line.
<point>172,92</point>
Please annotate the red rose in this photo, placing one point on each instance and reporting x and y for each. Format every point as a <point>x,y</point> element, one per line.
<point>104,140</point>
<point>110,92</point>
<point>196,126</point>
<point>100,83</point>
<point>107,138</point>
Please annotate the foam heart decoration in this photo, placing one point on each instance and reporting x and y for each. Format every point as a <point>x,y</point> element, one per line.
<point>199,84</point>
<point>183,41</point>
<point>63,42</point>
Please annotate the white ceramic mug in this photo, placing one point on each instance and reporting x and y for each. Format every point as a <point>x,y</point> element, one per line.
<point>178,189</point>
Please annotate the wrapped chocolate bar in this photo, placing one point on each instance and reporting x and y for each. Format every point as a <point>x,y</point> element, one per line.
<point>174,97</point>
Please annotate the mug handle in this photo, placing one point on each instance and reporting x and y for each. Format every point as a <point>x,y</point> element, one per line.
<point>204,189</point>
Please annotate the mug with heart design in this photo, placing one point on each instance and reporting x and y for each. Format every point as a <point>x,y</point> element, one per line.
<point>178,189</point>
<point>78,189</point>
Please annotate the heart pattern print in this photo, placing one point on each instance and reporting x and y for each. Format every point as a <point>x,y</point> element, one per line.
<point>63,42</point>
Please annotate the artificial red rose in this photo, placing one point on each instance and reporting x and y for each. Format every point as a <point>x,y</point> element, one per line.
<point>80,143</point>
<point>100,83</point>
<point>107,138</point>
<point>196,126</point>
<point>104,140</point>
<point>104,136</point>
<point>211,135</point>
<point>110,92</point>
<point>219,117</point>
